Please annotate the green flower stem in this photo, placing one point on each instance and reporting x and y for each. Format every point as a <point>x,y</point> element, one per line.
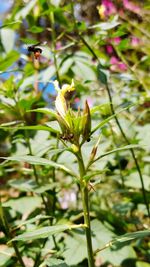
<point>9,235</point>
<point>85,204</point>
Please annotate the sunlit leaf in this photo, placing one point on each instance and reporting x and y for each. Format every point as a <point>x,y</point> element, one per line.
<point>34,127</point>
<point>36,29</point>
<point>118,149</point>
<point>46,232</point>
<point>22,13</point>
<point>6,254</point>
<point>39,161</point>
<point>47,111</point>
<point>8,37</point>
<point>11,58</point>
<point>53,262</point>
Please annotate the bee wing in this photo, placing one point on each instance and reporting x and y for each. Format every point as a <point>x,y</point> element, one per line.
<point>36,44</point>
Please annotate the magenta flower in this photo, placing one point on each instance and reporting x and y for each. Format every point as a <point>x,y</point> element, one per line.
<point>117,65</point>
<point>135,41</point>
<point>131,6</point>
<point>116,40</point>
<point>114,60</point>
<point>58,45</point>
<point>109,6</point>
<point>122,66</point>
<point>109,49</point>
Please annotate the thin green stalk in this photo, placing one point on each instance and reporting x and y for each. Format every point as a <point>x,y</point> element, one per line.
<point>54,46</point>
<point>131,150</point>
<point>47,210</point>
<point>9,235</point>
<point>86,212</point>
<point>85,203</point>
<point>35,172</point>
<point>117,156</point>
<point>120,55</point>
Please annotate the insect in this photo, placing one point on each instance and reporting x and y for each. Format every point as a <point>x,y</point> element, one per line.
<point>67,137</point>
<point>36,50</point>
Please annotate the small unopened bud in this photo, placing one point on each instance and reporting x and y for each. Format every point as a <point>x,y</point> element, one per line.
<point>74,148</point>
<point>86,123</point>
<point>93,153</point>
<point>94,150</point>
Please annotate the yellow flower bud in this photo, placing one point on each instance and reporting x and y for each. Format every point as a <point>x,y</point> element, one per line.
<point>74,148</point>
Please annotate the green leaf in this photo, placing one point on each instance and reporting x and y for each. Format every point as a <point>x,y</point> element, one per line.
<point>124,239</point>
<point>24,205</point>
<point>102,77</point>
<point>117,149</point>
<point>102,123</point>
<point>39,161</point>
<point>33,127</point>
<point>8,61</point>
<point>115,256</point>
<point>10,24</point>
<point>8,37</point>
<point>5,255</point>
<point>76,249</point>
<point>26,9</point>
<point>83,70</point>
<point>106,25</point>
<point>23,184</point>
<point>46,232</point>
<point>36,29</point>
<point>105,107</point>
<point>142,264</point>
<point>35,219</point>
<point>46,111</point>
<point>53,262</point>
<point>133,181</point>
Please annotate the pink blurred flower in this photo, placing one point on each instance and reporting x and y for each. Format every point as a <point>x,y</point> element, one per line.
<point>116,40</point>
<point>131,6</point>
<point>109,49</point>
<point>109,7</point>
<point>58,45</point>
<point>114,60</point>
<point>135,41</point>
<point>122,66</point>
<point>117,65</point>
<point>77,100</point>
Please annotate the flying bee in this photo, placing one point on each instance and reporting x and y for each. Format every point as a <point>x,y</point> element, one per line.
<point>36,50</point>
